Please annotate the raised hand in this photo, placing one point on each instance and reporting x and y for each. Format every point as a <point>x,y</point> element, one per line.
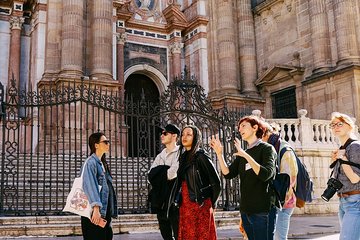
<point>240,151</point>
<point>215,144</point>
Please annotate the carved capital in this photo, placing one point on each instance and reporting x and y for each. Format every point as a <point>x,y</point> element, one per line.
<point>121,38</point>
<point>16,23</point>
<point>176,47</point>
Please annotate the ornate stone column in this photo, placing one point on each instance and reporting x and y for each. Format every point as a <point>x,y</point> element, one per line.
<point>175,49</point>
<point>248,69</point>
<point>226,47</point>
<point>72,39</point>
<point>120,40</point>
<point>320,35</point>
<point>102,33</point>
<point>15,49</point>
<point>345,26</point>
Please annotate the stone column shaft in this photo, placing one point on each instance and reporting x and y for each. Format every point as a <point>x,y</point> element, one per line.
<point>15,49</point>
<point>72,38</point>
<point>175,49</point>
<point>121,39</point>
<point>345,25</point>
<point>248,69</point>
<point>102,34</point>
<point>226,46</point>
<point>320,35</point>
<point>53,42</point>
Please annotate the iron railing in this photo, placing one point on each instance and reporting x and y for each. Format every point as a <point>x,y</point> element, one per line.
<point>44,141</point>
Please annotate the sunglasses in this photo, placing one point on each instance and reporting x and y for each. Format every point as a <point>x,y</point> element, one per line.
<point>334,125</point>
<point>107,142</point>
<point>165,133</point>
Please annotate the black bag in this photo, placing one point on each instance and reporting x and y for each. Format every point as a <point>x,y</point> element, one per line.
<point>280,185</point>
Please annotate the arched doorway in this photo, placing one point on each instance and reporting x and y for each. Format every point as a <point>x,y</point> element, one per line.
<point>142,96</point>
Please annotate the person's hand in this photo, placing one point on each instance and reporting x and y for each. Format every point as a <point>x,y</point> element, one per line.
<point>240,152</point>
<point>341,154</point>
<point>96,216</point>
<point>216,144</point>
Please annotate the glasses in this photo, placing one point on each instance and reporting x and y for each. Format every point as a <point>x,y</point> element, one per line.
<point>334,125</point>
<point>107,142</point>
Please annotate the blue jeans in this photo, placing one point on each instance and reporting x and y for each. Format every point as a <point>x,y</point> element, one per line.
<point>282,223</point>
<point>349,215</point>
<point>260,226</point>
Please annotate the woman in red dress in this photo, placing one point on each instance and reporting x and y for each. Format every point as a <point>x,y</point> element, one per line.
<point>198,184</point>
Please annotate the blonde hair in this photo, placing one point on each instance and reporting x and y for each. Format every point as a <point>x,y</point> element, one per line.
<point>343,118</point>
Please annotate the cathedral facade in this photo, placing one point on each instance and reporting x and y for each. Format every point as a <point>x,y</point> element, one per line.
<point>278,56</point>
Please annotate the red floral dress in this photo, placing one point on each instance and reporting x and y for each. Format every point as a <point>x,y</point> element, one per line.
<point>195,222</point>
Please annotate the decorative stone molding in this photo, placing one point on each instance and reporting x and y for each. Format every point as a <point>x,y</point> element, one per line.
<point>16,23</point>
<point>18,6</point>
<point>120,24</point>
<point>5,10</point>
<point>273,10</point>
<point>176,47</point>
<point>121,38</point>
<point>256,112</point>
<point>302,113</point>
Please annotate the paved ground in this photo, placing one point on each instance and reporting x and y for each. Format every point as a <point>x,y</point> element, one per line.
<point>301,227</point>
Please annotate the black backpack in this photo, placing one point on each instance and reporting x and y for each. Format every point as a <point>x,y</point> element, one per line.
<point>304,184</point>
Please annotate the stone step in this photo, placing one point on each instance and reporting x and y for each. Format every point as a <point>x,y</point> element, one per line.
<point>70,225</point>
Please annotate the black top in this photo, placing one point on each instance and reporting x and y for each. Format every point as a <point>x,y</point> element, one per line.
<point>256,195</point>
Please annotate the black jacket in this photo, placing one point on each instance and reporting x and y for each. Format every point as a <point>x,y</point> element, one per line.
<point>160,191</point>
<point>202,180</point>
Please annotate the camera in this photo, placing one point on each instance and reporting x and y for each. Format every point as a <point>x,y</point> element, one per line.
<point>333,185</point>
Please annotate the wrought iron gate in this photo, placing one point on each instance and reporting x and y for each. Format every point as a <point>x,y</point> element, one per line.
<point>44,141</point>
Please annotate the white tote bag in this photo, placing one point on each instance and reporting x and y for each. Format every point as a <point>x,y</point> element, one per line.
<point>77,201</point>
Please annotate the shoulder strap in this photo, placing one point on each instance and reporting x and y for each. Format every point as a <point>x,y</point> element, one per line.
<point>349,163</point>
<point>282,152</point>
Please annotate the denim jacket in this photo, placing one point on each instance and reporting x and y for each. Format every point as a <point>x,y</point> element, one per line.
<point>96,187</point>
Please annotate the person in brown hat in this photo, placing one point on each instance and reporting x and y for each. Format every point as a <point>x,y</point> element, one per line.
<point>162,175</point>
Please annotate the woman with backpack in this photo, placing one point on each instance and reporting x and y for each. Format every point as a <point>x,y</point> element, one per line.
<point>256,168</point>
<point>286,164</point>
<point>342,127</point>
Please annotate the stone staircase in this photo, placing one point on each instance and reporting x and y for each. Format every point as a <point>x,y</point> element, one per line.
<point>70,225</point>
<point>41,183</point>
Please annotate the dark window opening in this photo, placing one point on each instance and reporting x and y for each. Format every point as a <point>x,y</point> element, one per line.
<point>284,103</point>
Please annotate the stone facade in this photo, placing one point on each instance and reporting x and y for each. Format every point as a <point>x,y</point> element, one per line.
<point>242,52</point>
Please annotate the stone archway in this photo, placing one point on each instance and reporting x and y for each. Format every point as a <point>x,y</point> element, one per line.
<point>142,94</point>
<point>154,74</point>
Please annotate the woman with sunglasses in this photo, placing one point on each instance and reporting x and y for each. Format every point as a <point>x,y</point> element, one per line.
<point>97,185</point>
<point>256,168</point>
<point>342,127</point>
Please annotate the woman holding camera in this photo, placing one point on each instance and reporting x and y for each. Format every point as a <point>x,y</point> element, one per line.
<point>349,194</point>
<point>197,188</point>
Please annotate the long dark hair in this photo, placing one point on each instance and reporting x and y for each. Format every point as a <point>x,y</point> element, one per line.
<point>94,138</point>
<point>186,159</point>
<point>197,141</point>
